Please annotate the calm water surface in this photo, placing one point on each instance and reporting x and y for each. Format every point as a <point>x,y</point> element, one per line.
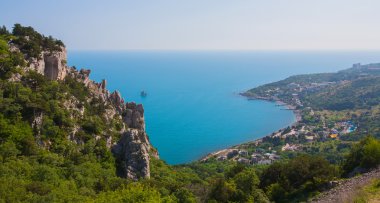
<point>192,107</point>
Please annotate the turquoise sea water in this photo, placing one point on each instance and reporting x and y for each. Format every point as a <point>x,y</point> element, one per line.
<point>193,107</point>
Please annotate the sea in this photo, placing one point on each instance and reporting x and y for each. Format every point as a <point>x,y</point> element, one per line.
<point>192,103</point>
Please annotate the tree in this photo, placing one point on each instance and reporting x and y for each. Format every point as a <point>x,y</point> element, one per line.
<point>365,154</point>
<point>296,177</point>
<point>185,196</point>
<point>222,191</point>
<point>3,30</point>
<point>8,150</point>
<point>247,181</point>
<point>371,154</point>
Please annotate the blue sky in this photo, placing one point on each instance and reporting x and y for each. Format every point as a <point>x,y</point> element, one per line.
<point>202,24</point>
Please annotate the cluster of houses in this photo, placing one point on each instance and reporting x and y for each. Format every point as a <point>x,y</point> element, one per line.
<point>309,87</point>
<point>261,156</point>
<point>346,126</point>
<point>340,128</point>
<point>310,134</point>
<point>297,88</point>
<point>242,156</point>
<point>290,147</point>
<point>294,89</point>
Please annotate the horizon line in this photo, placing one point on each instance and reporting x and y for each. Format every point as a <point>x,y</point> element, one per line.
<point>237,50</point>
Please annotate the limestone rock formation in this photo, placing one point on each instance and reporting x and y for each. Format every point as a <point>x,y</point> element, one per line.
<point>134,116</point>
<point>51,64</point>
<point>55,65</point>
<point>133,150</point>
<point>132,153</point>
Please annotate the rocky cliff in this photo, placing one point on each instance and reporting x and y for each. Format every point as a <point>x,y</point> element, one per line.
<point>133,149</point>
<point>51,64</point>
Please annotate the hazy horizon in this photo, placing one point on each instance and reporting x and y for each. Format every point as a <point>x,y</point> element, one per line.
<point>256,25</point>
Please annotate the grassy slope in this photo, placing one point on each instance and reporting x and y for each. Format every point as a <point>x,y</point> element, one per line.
<point>370,193</point>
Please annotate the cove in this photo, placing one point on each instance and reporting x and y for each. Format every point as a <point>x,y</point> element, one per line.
<point>192,106</point>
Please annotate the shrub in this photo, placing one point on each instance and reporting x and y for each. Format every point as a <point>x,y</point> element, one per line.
<point>293,179</point>
<point>365,154</point>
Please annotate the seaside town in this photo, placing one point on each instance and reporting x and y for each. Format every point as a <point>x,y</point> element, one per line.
<point>293,137</point>
<point>256,153</point>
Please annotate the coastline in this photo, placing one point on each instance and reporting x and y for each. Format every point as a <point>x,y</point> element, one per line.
<point>297,114</point>
<point>278,102</point>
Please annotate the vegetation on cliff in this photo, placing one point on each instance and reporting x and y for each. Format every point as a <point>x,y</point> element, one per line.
<point>32,43</point>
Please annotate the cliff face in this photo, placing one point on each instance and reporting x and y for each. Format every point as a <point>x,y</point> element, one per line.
<point>51,64</point>
<point>133,149</point>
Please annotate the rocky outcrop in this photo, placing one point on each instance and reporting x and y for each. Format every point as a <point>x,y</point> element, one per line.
<point>117,101</point>
<point>37,121</point>
<point>132,154</point>
<point>134,116</point>
<point>51,64</point>
<point>15,78</point>
<point>133,150</point>
<point>55,65</point>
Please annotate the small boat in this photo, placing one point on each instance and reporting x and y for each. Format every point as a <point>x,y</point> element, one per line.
<point>143,94</point>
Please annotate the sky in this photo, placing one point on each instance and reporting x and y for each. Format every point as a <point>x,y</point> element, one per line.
<point>202,24</point>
